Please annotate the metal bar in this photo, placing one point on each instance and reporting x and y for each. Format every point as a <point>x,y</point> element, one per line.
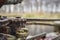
<point>43,19</point>
<point>40,24</point>
<point>38,20</point>
<point>3,20</point>
<point>37,36</point>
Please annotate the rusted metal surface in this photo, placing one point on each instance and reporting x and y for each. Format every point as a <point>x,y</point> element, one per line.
<point>34,27</point>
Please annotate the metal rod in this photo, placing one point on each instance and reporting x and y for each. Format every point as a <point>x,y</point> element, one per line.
<point>43,19</point>
<point>37,36</point>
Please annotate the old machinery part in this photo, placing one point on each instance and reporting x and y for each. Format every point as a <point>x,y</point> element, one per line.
<point>22,33</point>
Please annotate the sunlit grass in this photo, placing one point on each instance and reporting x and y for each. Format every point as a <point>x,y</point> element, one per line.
<point>32,15</point>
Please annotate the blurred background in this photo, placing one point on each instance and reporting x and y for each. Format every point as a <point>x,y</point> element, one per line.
<point>33,5</point>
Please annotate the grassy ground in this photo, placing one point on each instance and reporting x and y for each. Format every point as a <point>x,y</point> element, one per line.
<point>32,15</point>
